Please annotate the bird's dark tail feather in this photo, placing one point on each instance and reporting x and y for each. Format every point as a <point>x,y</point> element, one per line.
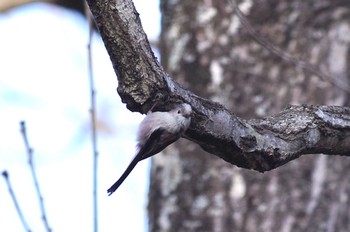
<point>116,185</point>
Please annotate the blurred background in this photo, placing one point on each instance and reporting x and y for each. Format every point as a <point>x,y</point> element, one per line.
<point>44,81</point>
<point>203,46</point>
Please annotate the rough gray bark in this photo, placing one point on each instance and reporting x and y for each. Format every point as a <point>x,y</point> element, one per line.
<point>255,144</point>
<point>205,48</point>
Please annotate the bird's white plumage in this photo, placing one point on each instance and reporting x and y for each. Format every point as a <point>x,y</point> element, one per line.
<point>173,121</point>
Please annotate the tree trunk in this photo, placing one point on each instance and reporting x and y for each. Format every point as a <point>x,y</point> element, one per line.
<point>205,48</point>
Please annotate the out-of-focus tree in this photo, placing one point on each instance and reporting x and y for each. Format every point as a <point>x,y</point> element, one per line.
<point>204,46</point>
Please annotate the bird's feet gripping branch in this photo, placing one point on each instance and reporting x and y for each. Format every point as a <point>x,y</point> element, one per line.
<point>156,132</point>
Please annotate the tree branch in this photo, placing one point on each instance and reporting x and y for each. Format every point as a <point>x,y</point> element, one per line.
<point>139,73</point>
<point>5,174</point>
<point>92,111</point>
<point>261,145</point>
<point>268,143</point>
<point>35,178</point>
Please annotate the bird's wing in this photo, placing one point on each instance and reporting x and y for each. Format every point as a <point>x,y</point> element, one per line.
<point>158,140</point>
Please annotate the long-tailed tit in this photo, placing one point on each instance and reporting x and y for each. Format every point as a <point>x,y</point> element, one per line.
<point>156,132</point>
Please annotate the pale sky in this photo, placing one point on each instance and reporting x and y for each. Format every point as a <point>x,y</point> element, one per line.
<point>44,81</point>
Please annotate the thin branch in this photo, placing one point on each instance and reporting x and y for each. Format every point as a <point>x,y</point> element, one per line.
<point>93,118</point>
<point>14,199</point>
<point>32,169</point>
<point>308,67</point>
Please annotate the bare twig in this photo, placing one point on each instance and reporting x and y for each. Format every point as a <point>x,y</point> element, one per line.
<point>93,119</point>
<point>308,67</point>
<point>14,199</point>
<point>36,183</point>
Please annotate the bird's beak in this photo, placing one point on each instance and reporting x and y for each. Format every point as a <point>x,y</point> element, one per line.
<point>188,115</point>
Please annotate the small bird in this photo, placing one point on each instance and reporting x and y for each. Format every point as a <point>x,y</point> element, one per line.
<point>156,131</point>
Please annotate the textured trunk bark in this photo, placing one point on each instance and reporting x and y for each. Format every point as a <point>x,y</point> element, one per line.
<point>206,49</point>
